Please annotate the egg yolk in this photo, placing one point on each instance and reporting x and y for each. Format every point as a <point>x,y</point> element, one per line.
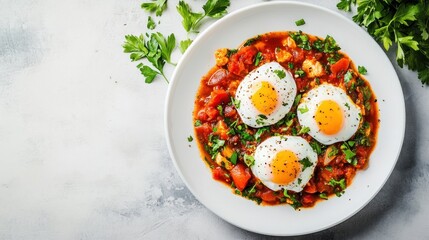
<point>329,117</point>
<point>264,98</point>
<point>285,167</point>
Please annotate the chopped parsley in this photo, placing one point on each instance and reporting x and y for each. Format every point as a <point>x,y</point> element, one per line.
<point>248,160</point>
<point>362,70</point>
<point>280,73</point>
<point>303,109</point>
<point>190,138</point>
<point>305,162</point>
<point>303,130</point>
<point>233,158</point>
<point>258,58</point>
<point>300,22</point>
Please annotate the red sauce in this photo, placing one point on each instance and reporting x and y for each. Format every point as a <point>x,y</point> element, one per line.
<point>224,140</point>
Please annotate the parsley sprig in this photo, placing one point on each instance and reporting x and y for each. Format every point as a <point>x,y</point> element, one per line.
<point>192,20</point>
<point>157,50</point>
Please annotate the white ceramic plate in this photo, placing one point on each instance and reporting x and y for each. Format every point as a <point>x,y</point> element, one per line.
<point>230,32</point>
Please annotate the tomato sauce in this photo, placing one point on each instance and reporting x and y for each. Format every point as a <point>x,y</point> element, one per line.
<point>225,141</point>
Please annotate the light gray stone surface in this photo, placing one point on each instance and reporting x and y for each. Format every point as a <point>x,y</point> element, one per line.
<point>82,147</point>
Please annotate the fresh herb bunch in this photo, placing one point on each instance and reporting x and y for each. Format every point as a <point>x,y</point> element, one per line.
<point>402,24</point>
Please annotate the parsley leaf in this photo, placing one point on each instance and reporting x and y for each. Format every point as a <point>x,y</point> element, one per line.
<point>157,6</point>
<point>212,8</point>
<point>183,45</point>
<point>303,109</point>
<point>190,138</point>
<point>362,70</point>
<point>166,45</point>
<point>280,73</point>
<point>147,72</point>
<point>150,23</point>
<point>233,158</point>
<point>136,46</point>
<point>249,160</point>
<point>305,162</point>
<point>345,5</point>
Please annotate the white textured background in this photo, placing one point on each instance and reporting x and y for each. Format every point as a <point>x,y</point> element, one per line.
<point>82,148</point>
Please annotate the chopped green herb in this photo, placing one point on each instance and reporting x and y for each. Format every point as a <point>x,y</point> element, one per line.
<point>197,123</point>
<point>261,131</point>
<point>150,23</point>
<point>297,100</point>
<point>290,65</point>
<point>305,162</point>
<point>316,147</point>
<point>299,73</point>
<point>329,168</point>
<point>234,158</point>
<point>300,22</point>
<point>303,130</point>
<point>348,76</point>
<point>341,183</point>
<point>220,109</point>
<point>333,152</point>
<point>347,106</point>
<point>235,102</point>
<point>251,41</point>
<point>258,58</point>
<point>295,203</point>
<point>303,109</point>
<point>280,73</point>
<point>323,196</point>
<point>362,70</point>
<point>190,138</point>
<point>249,160</point>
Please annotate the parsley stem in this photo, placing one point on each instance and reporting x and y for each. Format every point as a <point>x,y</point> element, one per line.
<point>165,78</point>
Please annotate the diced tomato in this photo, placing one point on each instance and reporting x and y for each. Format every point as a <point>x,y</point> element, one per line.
<point>211,112</point>
<point>240,175</point>
<point>310,187</point>
<point>247,54</point>
<point>300,83</point>
<point>204,131</point>
<point>308,199</point>
<point>269,196</point>
<point>202,115</point>
<point>229,111</point>
<point>350,173</point>
<point>298,55</point>
<point>240,62</point>
<point>340,67</point>
<point>221,174</point>
<point>217,97</point>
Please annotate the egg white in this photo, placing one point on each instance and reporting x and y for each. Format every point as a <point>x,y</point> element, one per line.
<point>268,149</point>
<point>351,113</point>
<point>285,88</point>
